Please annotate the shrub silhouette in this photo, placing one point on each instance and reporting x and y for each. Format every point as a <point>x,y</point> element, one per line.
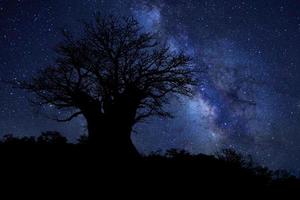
<point>83,139</point>
<point>235,158</point>
<point>51,137</point>
<point>227,167</point>
<point>46,138</point>
<point>9,139</point>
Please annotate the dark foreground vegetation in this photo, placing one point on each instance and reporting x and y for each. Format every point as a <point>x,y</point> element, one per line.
<point>50,152</point>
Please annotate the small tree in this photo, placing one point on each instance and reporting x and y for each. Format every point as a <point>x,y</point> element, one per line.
<point>115,75</point>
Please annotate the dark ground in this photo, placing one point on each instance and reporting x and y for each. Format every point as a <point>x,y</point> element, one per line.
<point>186,173</point>
<point>50,159</point>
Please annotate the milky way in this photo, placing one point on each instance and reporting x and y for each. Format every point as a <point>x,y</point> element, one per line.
<point>248,97</point>
<point>234,106</point>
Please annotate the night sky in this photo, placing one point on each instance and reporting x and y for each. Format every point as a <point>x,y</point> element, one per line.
<point>248,98</point>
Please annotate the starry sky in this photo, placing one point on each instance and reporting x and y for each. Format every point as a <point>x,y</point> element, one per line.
<point>248,98</point>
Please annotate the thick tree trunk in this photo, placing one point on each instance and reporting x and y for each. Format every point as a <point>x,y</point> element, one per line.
<point>110,133</point>
<point>111,137</point>
<point>122,133</point>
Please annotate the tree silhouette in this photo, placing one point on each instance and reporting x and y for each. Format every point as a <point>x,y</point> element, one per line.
<point>115,75</point>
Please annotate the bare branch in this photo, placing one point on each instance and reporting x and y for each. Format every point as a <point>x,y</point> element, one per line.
<point>113,69</point>
<point>69,118</point>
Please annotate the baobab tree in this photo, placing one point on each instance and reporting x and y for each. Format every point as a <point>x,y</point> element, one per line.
<point>115,75</point>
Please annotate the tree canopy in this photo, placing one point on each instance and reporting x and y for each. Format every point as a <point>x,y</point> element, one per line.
<point>114,73</point>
